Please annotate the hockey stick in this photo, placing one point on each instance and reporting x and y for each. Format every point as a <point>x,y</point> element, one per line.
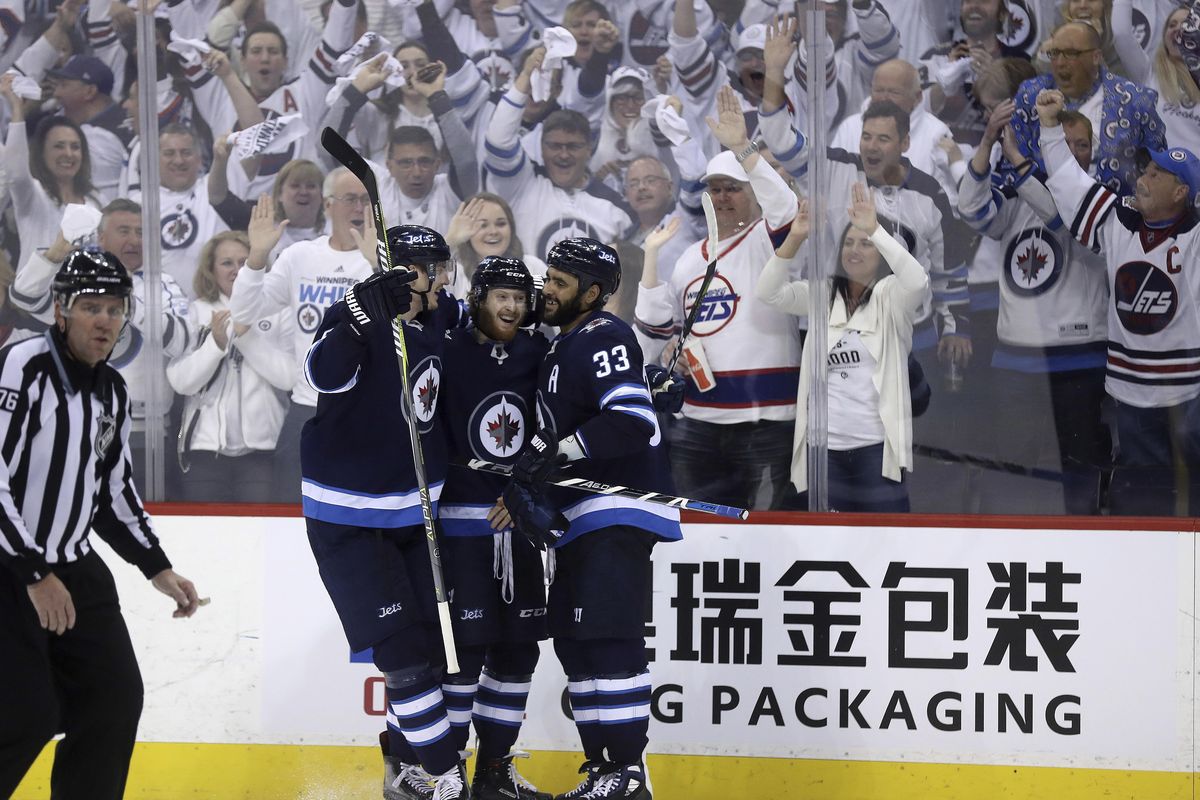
<point>710,216</point>
<point>349,158</point>
<point>595,487</point>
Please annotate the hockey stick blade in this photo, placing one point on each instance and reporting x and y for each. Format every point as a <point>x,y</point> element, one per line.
<point>710,216</point>
<point>595,487</point>
<point>352,160</point>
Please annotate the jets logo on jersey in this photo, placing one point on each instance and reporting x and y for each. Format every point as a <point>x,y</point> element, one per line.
<point>1020,30</point>
<point>1033,262</point>
<point>424,384</point>
<point>716,309</point>
<point>179,229</point>
<point>901,231</point>
<point>564,228</point>
<point>1145,298</point>
<point>309,317</point>
<point>497,426</point>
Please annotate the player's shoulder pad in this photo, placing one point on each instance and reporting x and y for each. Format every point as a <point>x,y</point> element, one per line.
<point>605,328</point>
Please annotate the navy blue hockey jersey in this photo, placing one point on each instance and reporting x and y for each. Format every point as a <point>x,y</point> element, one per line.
<point>355,453</point>
<point>487,410</point>
<point>592,384</point>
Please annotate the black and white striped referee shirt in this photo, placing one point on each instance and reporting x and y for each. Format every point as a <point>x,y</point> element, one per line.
<point>65,468</point>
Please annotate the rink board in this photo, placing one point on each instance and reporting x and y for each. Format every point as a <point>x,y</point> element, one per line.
<point>829,661</point>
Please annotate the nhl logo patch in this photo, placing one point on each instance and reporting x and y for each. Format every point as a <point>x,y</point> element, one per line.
<point>105,433</point>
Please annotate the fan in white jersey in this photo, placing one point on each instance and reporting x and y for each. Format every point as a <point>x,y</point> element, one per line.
<point>412,187</point>
<point>753,350</point>
<point>307,278</point>
<point>186,219</point>
<point>559,199</point>
<point>1051,324</point>
<point>264,59</point>
<point>1149,249</point>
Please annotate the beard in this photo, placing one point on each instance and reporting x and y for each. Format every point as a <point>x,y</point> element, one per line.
<point>566,312</point>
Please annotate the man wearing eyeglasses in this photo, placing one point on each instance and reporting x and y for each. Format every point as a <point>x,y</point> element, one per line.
<point>308,277</point>
<point>558,198</point>
<point>1122,112</point>
<point>651,193</point>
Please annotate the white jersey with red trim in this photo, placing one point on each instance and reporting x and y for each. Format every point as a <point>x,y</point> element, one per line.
<point>1154,308</point>
<point>752,349</point>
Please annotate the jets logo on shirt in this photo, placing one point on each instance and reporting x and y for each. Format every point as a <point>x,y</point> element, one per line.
<point>497,426</point>
<point>179,229</point>
<point>1020,30</point>
<point>1033,263</point>
<point>716,309</point>
<point>1145,298</point>
<point>424,384</point>
<point>564,228</point>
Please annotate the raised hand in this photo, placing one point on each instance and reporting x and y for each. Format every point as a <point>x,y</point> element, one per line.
<point>366,240</point>
<point>606,37</point>
<point>218,64</point>
<point>781,43</point>
<point>523,81</point>
<point>1000,117</point>
<point>661,235</point>
<point>799,231</point>
<point>430,79</point>
<point>219,325</point>
<point>729,127</point>
<point>373,74</point>
<point>264,232</point>
<point>1050,103</point>
<point>862,208</point>
<point>465,223</point>
<point>662,74</point>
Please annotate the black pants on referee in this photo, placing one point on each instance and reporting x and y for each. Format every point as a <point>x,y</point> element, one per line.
<point>85,683</point>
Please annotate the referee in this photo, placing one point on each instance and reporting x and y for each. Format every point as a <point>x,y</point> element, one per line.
<point>68,665</point>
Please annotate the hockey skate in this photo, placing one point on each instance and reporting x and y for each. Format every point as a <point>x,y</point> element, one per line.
<point>592,771</point>
<point>403,781</point>
<point>625,782</point>
<point>452,785</point>
<point>499,780</point>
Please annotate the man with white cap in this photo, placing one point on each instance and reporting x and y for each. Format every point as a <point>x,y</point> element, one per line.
<point>743,422</point>
<point>1150,249</point>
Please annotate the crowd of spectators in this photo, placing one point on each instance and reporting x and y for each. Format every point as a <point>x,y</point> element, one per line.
<point>510,125</point>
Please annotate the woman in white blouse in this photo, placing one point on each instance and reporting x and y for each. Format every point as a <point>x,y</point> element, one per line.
<point>236,382</point>
<point>872,310</point>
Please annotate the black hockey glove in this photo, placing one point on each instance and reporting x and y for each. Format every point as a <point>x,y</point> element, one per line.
<point>537,520</point>
<point>538,460</point>
<point>380,298</point>
<point>665,391</point>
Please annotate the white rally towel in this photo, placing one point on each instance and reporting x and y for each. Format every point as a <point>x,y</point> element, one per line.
<point>25,87</point>
<point>368,46</point>
<point>79,221</point>
<point>670,124</point>
<point>559,44</point>
<point>394,79</point>
<point>272,136</point>
<point>191,51</point>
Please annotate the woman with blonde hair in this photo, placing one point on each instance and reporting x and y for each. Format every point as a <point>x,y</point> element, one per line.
<point>235,381</point>
<point>1178,93</point>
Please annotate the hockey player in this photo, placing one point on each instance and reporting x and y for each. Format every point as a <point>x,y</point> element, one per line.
<point>65,473</point>
<point>494,577</point>
<point>1149,247</point>
<point>595,413</point>
<point>361,504</point>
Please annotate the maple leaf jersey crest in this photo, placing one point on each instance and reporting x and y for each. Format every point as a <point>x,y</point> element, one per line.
<point>1033,262</point>
<point>497,427</point>
<point>425,381</point>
